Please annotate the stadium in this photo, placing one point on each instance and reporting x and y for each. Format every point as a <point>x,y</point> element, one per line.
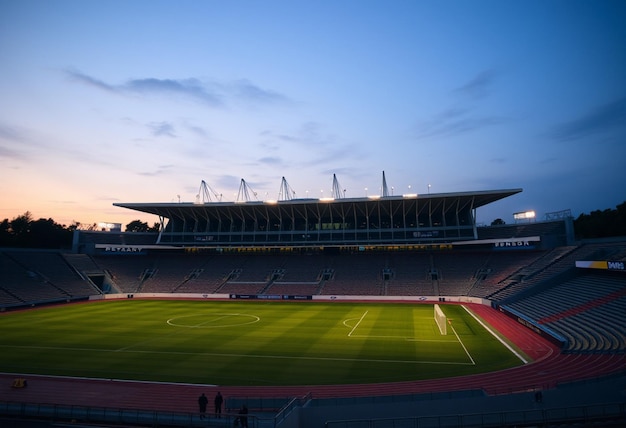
<point>381,311</point>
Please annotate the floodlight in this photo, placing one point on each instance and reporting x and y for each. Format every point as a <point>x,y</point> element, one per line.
<point>110,227</point>
<point>524,215</point>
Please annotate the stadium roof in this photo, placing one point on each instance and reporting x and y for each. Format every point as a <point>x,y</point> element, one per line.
<point>476,199</point>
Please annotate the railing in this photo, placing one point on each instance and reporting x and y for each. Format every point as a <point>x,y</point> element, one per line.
<point>288,408</point>
<point>100,415</point>
<point>601,413</point>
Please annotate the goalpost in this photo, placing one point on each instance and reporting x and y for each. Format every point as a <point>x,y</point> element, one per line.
<point>441,320</point>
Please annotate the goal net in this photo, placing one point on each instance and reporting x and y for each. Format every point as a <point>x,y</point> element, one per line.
<point>440,319</point>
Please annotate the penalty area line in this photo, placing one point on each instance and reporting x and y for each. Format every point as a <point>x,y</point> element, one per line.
<point>357,324</point>
<point>463,345</point>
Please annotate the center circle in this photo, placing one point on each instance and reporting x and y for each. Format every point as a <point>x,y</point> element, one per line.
<point>217,320</point>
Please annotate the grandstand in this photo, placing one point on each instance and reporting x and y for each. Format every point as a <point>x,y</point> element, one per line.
<point>383,220</point>
<point>522,279</point>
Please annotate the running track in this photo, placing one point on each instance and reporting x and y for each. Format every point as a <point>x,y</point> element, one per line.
<point>550,367</point>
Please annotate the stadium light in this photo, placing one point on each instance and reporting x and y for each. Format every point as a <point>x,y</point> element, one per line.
<point>110,227</point>
<point>524,215</point>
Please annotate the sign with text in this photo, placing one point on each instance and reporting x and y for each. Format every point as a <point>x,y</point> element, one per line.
<point>602,264</point>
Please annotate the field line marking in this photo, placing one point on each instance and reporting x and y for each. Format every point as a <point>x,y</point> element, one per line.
<point>358,322</point>
<point>463,345</point>
<point>148,382</point>
<point>172,322</point>
<point>216,317</point>
<point>517,354</point>
<point>154,339</point>
<point>215,354</point>
<point>408,339</point>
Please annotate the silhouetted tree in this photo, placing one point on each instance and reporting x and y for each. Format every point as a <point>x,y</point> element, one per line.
<point>6,240</point>
<point>74,226</point>
<point>498,222</point>
<point>20,225</point>
<point>23,231</point>
<point>141,226</point>
<point>137,226</point>
<point>46,233</point>
<point>602,224</point>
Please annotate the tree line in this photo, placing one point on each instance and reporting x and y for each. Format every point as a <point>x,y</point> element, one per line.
<point>602,223</point>
<point>25,232</point>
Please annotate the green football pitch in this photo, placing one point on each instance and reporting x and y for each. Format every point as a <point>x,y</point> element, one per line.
<point>248,342</point>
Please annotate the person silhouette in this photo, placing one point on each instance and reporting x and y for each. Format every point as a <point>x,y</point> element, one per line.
<point>202,403</point>
<point>218,404</point>
<point>243,416</point>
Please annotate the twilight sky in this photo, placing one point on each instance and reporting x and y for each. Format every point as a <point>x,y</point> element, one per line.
<point>139,101</point>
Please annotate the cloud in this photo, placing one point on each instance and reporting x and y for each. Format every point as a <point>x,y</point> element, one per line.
<point>271,161</point>
<point>228,181</point>
<point>12,138</point>
<point>26,145</point>
<point>246,90</point>
<point>90,81</point>
<point>479,86</point>
<point>337,154</point>
<point>213,94</point>
<point>161,170</point>
<point>455,122</point>
<point>605,118</point>
<point>197,130</point>
<point>8,153</point>
<point>9,133</point>
<point>191,88</point>
<point>309,134</point>
<point>21,144</point>
<point>462,117</point>
<point>162,129</point>
<point>311,137</point>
